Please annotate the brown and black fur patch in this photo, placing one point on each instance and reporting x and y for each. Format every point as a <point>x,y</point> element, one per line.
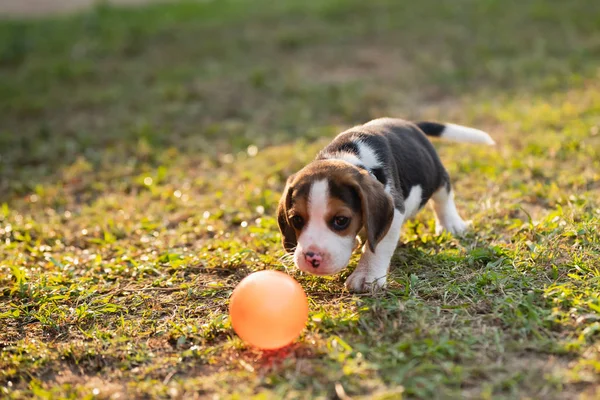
<point>352,190</point>
<point>288,233</point>
<point>337,207</point>
<point>346,194</point>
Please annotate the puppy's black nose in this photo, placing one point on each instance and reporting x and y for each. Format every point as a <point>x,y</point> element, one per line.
<point>312,258</point>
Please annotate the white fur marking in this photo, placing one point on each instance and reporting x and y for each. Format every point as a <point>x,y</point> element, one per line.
<point>317,200</point>
<point>368,156</point>
<point>345,156</point>
<point>372,268</point>
<point>412,204</point>
<point>446,215</point>
<point>383,121</point>
<point>461,133</point>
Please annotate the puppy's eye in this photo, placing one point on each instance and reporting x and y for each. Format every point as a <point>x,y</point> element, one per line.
<point>297,221</point>
<point>339,223</point>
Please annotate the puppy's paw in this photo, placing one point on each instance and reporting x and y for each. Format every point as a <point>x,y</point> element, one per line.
<point>362,280</point>
<point>455,226</point>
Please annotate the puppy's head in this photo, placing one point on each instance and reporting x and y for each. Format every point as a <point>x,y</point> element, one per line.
<point>322,209</point>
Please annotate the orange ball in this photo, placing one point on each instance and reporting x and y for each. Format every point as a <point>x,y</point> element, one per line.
<point>268,309</point>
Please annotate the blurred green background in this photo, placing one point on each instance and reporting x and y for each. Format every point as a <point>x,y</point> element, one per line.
<point>143,150</point>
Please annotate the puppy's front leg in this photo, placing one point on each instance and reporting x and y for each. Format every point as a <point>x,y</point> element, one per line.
<point>372,268</point>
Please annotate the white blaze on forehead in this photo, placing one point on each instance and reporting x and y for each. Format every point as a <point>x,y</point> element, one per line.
<point>318,199</point>
<point>316,227</point>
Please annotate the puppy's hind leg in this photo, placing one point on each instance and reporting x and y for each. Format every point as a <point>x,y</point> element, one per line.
<point>446,215</point>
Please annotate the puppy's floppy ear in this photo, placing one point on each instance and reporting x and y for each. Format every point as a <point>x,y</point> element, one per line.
<point>377,209</point>
<point>288,233</point>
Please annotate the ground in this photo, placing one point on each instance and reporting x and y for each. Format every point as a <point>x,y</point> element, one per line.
<point>143,151</point>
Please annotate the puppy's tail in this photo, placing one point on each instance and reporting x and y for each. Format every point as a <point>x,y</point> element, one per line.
<point>456,133</point>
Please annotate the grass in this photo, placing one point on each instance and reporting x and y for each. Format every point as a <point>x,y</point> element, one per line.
<point>143,151</point>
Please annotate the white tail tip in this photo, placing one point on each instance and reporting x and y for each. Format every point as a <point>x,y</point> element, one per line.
<point>459,133</point>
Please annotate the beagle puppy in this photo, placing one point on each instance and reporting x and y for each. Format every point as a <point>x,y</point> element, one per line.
<point>368,181</point>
